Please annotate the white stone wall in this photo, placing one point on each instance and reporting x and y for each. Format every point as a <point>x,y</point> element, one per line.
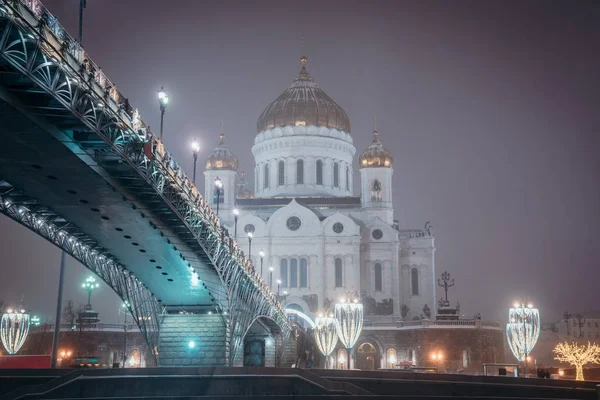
<point>418,254</point>
<point>383,209</point>
<point>310,144</point>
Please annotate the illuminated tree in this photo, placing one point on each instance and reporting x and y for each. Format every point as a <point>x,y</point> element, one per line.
<point>578,355</point>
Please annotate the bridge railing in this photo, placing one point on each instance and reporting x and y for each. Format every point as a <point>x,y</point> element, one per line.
<point>63,46</point>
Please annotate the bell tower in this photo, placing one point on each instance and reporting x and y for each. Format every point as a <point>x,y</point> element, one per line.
<point>376,180</point>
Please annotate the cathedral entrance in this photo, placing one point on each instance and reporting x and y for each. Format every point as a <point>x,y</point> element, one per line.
<point>367,358</point>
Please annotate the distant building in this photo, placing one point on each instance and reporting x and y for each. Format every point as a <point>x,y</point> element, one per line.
<point>581,325</point>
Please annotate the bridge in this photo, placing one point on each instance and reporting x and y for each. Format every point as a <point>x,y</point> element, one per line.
<point>79,167</point>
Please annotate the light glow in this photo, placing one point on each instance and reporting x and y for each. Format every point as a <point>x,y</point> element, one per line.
<point>191,344</point>
<point>14,328</point>
<point>195,146</point>
<point>523,330</point>
<point>325,332</point>
<point>349,322</point>
<point>236,212</point>
<point>577,355</point>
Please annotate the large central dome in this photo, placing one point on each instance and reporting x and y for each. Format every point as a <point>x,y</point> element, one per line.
<point>304,104</point>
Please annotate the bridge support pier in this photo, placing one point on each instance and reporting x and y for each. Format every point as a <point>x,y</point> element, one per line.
<point>197,340</point>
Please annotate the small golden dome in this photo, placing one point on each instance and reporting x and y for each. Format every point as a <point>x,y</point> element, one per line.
<point>376,156</point>
<point>221,158</point>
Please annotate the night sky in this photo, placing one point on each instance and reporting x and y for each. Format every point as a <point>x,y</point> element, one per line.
<point>491,110</point>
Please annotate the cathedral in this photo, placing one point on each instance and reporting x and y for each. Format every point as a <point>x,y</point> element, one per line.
<point>312,236</point>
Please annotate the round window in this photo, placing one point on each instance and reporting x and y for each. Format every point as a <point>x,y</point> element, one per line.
<point>377,234</point>
<point>338,227</point>
<point>293,223</point>
<point>249,228</point>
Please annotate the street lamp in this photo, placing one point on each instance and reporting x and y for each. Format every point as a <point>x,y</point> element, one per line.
<point>278,285</point>
<point>349,318</point>
<point>195,149</point>
<point>163,100</point>
<point>236,214</point>
<point>125,310</point>
<point>250,236</point>
<point>271,278</point>
<point>522,330</point>
<point>90,285</point>
<point>218,186</point>
<point>262,255</point>
<point>285,295</point>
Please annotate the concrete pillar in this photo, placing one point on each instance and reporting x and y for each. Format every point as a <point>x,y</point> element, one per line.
<point>192,340</point>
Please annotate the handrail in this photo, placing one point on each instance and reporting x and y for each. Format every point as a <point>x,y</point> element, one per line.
<point>62,45</point>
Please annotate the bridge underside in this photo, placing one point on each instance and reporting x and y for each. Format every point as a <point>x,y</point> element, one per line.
<point>41,166</point>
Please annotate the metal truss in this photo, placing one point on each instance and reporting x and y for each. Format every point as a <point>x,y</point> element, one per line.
<point>142,305</point>
<point>33,42</point>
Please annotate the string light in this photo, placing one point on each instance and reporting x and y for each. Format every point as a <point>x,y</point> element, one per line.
<point>522,330</point>
<point>325,332</point>
<point>14,329</point>
<point>349,321</point>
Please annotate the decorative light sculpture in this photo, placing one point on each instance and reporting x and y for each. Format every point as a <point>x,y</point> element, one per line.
<point>577,355</point>
<point>522,330</point>
<point>325,332</point>
<point>14,329</point>
<point>349,322</point>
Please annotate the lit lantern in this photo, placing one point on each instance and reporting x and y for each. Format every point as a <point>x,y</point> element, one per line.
<point>14,329</point>
<point>522,330</point>
<point>349,322</point>
<point>326,334</point>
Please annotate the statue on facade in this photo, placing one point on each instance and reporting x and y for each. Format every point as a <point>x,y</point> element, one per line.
<point>404,311</point>
<point>427,311</point>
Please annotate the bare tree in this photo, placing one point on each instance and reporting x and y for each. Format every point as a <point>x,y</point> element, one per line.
<point>578,355</point>
<point>69,314</point>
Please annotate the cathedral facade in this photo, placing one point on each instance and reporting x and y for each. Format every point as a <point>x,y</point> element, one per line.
<point>312,235</point>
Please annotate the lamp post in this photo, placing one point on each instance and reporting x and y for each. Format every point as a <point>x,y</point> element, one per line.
<point>285,295</point>
<point>271,278</point>
<point>82,5</point>
<point>90,285</point>
<point>250,236</point>
<point>349,322</point>
<point>278,285</point>
<point>522,330</point>
<point>163,100</point>
<point>61,281</point>
<point>262,256</point>
<point>236,214</point>
<point>195,149</point>
<point>218,186</point>
<point>125,310</point>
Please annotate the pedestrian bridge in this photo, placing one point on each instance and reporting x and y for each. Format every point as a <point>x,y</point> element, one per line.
<point>79,167</point>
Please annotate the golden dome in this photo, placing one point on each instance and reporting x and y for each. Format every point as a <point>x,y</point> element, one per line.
<point>221,158</point>
<point>304,104</point>
<point>376,156</point>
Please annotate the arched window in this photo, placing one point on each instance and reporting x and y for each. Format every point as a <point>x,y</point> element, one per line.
<point>414,278</point>
<point>219,194</point>
<point>378,278</point>
<point>376,190</point>
<point>338,273</point>
<point>266,177</point>
<point>294,273</point>
<point>412,356</point>
<point>391,358</point>
<point>300,172</point>
<point>466,358</point>
<point>281,174</point>
<point>347,178</point>
<point>283,275</point>
<point>135,361</point>
<point>303,273</point>
<point>319,172</point>
<point>336,175</point>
